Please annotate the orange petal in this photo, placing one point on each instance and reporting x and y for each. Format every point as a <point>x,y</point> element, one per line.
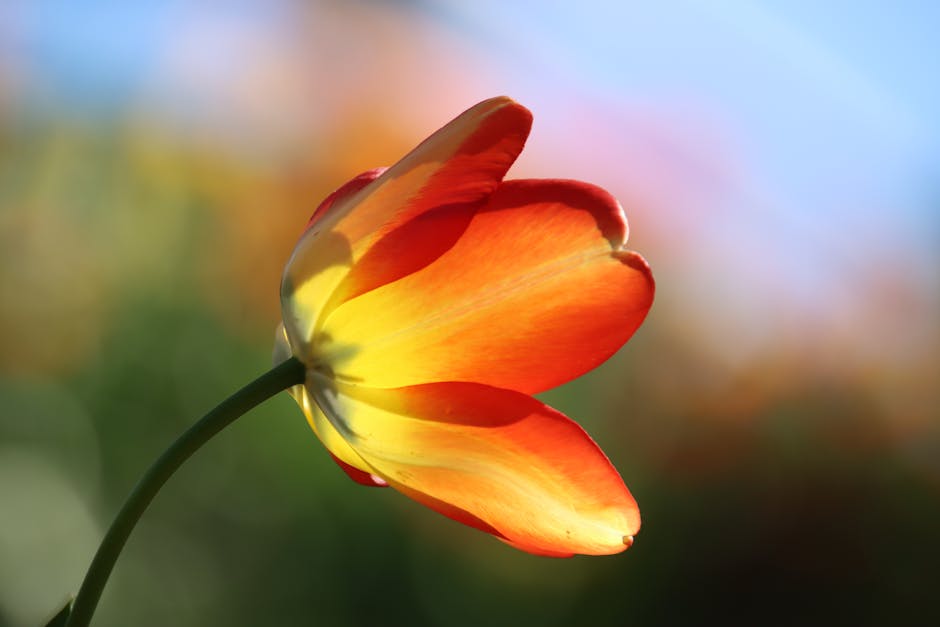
<point>537,291</point>
<point>341,195</point>
<point>360,476</point>
<point>495,459</point>
<point>452,172</point>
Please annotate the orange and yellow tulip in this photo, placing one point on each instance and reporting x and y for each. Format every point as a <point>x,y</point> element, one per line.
<point>430,300</point>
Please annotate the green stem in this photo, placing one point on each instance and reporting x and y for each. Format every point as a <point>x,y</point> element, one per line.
<point>287,374</point>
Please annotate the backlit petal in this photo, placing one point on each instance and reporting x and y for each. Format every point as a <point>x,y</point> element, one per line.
<point>537,291</point>
<point>343,194</point>
<point>495,459</point>
<point>360,476</point>
<point>340,450</point>
<point>334,442</point>
<point>448,176</point>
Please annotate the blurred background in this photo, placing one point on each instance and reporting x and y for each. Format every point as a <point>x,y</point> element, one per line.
<point>776,416</point>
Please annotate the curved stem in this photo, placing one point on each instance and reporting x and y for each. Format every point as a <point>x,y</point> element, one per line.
<point>281,377</point>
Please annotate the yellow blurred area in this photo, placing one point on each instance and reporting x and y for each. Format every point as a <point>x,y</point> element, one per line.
<point>98,219</point>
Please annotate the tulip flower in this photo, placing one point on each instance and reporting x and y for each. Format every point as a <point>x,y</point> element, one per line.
<point>429,301</point>
<point>422,307</point>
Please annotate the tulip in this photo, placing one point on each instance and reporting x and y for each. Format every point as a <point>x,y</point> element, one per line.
<point>429,301</point>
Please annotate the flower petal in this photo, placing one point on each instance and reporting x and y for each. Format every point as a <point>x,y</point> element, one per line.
<point>334,443</point>
<point>536,291</point>
<point>343,193</point>
<point>360,476</point>
<point>451,173</point>
<point>492,458</point>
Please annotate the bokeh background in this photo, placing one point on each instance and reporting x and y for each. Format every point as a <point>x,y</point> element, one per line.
<point>776,417</point>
